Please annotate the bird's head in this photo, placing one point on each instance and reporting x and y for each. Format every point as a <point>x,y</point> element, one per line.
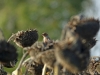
<point>44,34</point>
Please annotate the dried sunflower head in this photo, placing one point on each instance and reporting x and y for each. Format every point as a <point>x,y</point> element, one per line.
<point>72,54</point>
<point>72,57</point>
<point>94,65</point>
<point>88,28</point>
<point>10,64</point>
<point>2,72</point>
<point>25,38</point>
<point>8,54</point>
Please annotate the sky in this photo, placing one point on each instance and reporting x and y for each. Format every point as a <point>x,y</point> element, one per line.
<point>94,11</point>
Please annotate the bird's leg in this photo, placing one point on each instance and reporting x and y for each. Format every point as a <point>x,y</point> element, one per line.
<point>18,69</point>
<point>44,70</point>
<point>56,69</point>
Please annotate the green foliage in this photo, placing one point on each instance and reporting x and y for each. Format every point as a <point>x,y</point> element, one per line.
<point>45,15</point>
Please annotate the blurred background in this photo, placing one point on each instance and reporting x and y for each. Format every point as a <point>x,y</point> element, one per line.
<point>45,15</point>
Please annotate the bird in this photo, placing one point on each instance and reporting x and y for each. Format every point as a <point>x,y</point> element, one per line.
<point>24,38</point>
<point>47,42</point>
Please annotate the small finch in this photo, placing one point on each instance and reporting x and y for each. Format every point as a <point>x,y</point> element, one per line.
<point>47,42</point>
